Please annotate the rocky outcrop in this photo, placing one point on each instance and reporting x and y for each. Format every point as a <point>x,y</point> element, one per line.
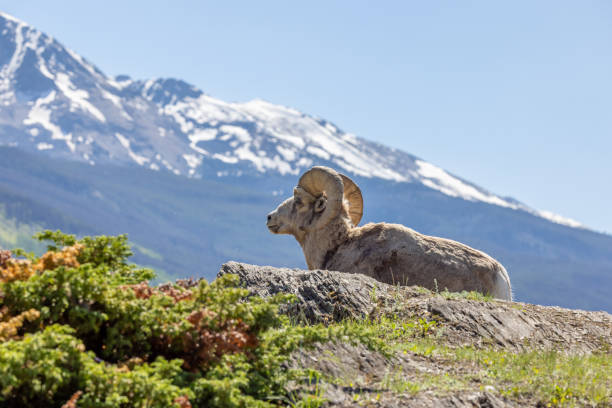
<point>325,296</point>
<point>328,296</point>
<point>322,295</point>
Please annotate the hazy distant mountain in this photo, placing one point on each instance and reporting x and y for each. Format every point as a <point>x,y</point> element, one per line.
<point>108,155</point>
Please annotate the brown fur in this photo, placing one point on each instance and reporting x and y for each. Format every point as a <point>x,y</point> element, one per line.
<point>390,253</point>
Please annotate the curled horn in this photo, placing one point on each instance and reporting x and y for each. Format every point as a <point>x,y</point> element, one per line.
<point>319,180</point>
<point>352,194</point>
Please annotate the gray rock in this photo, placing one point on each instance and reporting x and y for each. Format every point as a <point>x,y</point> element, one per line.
<point>355,376</point>
<point>322,295</point>
<point>325,296</point>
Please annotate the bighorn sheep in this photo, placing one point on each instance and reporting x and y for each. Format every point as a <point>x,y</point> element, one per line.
<point>323,215</point>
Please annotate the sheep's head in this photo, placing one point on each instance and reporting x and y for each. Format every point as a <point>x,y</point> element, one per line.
<point>321,195</point>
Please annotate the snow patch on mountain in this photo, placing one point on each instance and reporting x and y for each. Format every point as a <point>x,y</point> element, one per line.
<point>9,69</point>
<point>40,114</point>
<point>140,160</point>
<point>44,146</point>
<point>270,137</point>
<point>287,153</point>
<point>438,179</point>
<point>193,161</point>
<point>241,134</point>
<point>78,97</point>
<point>558,219</point>
<point>225,159</point>
<point>203,135</point>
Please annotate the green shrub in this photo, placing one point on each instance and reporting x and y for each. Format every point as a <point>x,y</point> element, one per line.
<point>47,367</point>
<point>95,326</point>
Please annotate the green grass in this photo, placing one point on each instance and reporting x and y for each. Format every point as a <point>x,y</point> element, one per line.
<point>471,295</point>
<point>468,295</point>
<point>552,377</point>
<point>440,383</point>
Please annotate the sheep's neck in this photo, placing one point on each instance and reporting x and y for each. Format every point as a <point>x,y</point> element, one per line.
<point>319,244</point>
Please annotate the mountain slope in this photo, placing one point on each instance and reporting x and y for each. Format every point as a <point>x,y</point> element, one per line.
<point>55,101</point>
<point>191,178</point>
<point>189,227</point>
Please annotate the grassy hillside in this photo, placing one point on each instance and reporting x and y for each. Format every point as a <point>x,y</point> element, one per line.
<point>14,234</point>
<point>192,225</point>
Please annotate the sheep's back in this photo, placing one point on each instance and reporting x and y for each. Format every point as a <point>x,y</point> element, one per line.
<point>395,254</point>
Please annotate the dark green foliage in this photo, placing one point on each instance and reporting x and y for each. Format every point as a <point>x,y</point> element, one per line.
<point>105,332</point>
<point>57,238</point>
<point>110,251</point>
<point>47,367</point>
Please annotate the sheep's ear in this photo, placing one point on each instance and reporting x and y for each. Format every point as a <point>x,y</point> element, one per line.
<point>320,204</point>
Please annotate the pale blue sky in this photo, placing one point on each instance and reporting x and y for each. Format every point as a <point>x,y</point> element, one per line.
<point>516,97</point>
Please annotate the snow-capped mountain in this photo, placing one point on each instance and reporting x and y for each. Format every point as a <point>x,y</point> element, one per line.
<point>53,100</point>
<point>172,167</point>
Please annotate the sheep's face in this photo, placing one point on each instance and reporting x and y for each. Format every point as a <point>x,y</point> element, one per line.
<point>297,214</point>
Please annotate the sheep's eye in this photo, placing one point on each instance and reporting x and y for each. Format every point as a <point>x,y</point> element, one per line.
<point>298,201</point>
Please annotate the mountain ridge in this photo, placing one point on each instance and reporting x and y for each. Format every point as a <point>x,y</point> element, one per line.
<point>73,110</point>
